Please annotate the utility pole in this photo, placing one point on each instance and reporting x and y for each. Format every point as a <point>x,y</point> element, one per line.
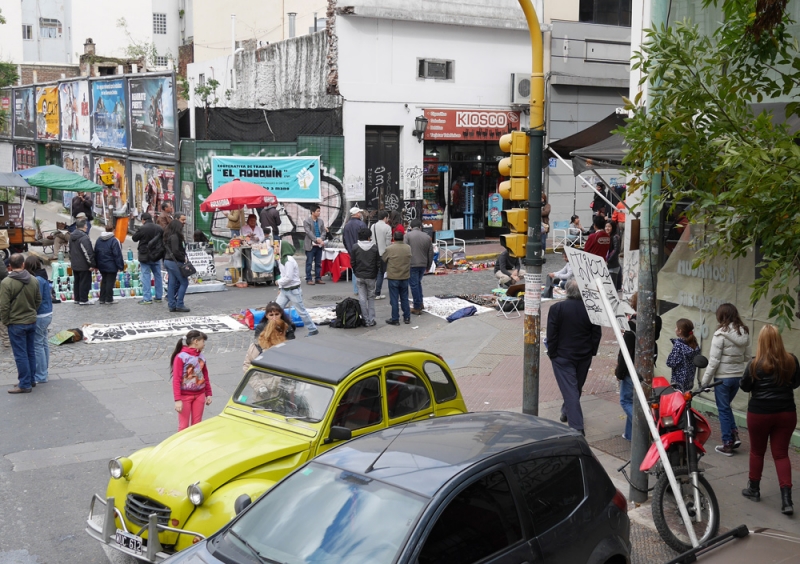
<point>534,253</point>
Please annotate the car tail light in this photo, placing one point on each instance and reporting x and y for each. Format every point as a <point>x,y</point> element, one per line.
<point>620,501</point>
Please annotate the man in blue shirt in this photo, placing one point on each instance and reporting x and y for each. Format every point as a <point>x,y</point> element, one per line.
<point>313,244</point>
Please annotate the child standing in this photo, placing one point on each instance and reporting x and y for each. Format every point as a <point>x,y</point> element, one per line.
<point>681,359</point>
<point>191,388</point>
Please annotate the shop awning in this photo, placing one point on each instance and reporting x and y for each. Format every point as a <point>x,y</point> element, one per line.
<point>608,153</point>
<point>12,180</point>
<point>587,137</point>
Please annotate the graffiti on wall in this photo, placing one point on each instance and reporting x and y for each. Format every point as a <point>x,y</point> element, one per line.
<point>412,181</point>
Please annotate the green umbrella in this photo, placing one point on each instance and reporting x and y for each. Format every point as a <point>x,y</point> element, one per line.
<point>62,180</point>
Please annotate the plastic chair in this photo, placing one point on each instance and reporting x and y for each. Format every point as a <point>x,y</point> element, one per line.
<point>562,237</point>
<point>451,244</point>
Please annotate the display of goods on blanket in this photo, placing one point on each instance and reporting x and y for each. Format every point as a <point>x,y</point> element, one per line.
<point>127,285</point>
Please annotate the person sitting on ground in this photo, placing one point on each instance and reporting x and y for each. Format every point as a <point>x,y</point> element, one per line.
<point>559,278</point>
<point>274,311</point>
<point>274,334</point>
<point>506,269</point>
<point>251,230</point>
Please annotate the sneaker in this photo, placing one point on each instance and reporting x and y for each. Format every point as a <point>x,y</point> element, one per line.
<point>158,300</point>
<point>370,324</point>
<point>393,321</point>
<point>312,333</point>
<point>380,296</point>
<point>406,320</point>
<point>84,303</point>
<point>725,449</point>
<point>101,302</point>
<point>145,302</point>
<point>737,442</point>
<point>182,310</point>
<point>563,418</point>
<point>626,437</point>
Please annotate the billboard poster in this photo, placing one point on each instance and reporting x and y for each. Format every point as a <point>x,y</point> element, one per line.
<point>76,161</point>
<point>25,157</point>
<point>75,114</point>
<point>152,114</point>
<point>108,114</point>
<point>5,107</point>
<point>152,184</point>
<point>495,211</point>
<point>24,113</point>
<point>111,173</point>
<point>48,120</point>
<point>290,179</point>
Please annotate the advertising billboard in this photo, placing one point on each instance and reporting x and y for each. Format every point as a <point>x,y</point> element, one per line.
<point>109,113</point>
<point>24,113</point>
<point>291,179</point>
<point>75,114</point>
<point>111,173</point>
<point>76,161</point>
<point>5,107</point>
<point>48,120</point>
<point>152,184</point>
<point>152,114</point>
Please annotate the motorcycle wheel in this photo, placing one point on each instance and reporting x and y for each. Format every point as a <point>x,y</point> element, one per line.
<point>667,516</point>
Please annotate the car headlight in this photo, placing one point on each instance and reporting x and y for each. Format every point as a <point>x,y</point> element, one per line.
<point>119,467</point>
<point>197,493</point>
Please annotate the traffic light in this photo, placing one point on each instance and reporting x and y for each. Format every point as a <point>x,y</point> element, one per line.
<point>516,167</point>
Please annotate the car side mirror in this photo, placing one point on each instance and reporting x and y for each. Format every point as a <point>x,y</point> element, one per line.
<point>242,502</point>
<point>339,434</point>
<point>700,361</point>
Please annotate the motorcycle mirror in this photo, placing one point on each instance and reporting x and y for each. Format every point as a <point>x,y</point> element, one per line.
<point>700,361</point>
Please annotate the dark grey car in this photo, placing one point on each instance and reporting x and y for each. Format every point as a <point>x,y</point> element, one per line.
<point>493,487</point>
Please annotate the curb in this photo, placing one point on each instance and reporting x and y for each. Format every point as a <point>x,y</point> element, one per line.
<point>486,256</point>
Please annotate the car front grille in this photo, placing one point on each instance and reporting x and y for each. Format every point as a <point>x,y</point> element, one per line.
<point>138,509</point>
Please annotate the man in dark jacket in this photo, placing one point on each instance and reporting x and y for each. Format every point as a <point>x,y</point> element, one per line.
<point>108,258</point>
<point>81,257</point>
<point>20,297</point>
<point>598,203</point>
<point>270,217</point>
<point>506,269</point>
<point>82,204</point>
<point>572,341</point>
<point>421,259</point>
<point>365,259</point>
<point>151,251</point>
<point>350,237</point>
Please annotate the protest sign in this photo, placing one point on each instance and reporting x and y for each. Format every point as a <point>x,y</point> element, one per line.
<point>587,267</point>
<point>114,332</point>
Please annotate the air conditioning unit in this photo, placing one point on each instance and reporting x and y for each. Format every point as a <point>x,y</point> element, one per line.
<point>520,88</point>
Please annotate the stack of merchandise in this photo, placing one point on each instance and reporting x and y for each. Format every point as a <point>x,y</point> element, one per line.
<point>127,285</point>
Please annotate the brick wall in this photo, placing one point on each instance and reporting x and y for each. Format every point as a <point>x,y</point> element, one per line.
<point>185,57</point>
<point>48,73</point>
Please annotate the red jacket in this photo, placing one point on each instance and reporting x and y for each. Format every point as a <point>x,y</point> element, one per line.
<point>598,244</point>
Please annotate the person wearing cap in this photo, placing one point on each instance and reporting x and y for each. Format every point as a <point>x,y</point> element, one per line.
<point>151,252</point>
<point>350,236</point>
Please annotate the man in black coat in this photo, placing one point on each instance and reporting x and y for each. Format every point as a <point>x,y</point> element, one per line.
<point>270,217</point>
<point>572,341</point>
<point>81,258</point>
<point>82,204</point>
<point>350,237</point>
<point>151,251</point>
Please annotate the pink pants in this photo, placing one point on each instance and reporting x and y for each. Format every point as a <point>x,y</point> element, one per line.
<point>193,405</point>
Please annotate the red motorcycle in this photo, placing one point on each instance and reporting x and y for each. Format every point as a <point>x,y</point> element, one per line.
<point>683,432</point>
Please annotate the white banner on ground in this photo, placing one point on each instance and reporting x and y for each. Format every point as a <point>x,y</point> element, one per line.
<point>587,268</point>
<point>95,333</point>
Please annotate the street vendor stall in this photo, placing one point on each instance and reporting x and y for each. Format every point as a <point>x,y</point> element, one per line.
<point>254,258</point>
<point>335,262</point>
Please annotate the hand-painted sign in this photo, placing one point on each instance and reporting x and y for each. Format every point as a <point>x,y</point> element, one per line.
<point>469,124</point>
<point>290,179</point>
<point>587,267</point>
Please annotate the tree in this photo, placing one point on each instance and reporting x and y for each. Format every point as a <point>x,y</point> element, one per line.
<point>739,165</point>
<point>207,93</point>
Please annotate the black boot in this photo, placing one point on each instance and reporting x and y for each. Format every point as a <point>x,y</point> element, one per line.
<point>753,490</point>
<point>786,501</point>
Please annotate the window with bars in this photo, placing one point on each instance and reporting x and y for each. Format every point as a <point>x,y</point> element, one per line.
<point>49,28</point>
<point>160,24</point>
<point>27,31</point>
<point>161,61</point>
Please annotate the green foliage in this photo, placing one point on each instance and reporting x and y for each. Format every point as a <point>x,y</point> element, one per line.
<point>143,50</point>
<point>740,168</point>
<point>207,93</point>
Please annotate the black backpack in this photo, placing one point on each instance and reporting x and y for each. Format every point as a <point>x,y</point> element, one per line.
<point>348,314</point>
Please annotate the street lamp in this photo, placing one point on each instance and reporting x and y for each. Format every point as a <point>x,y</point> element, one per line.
<point>420,125</point>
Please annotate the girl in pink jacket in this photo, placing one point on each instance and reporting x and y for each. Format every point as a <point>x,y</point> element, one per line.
<point>191,388</point>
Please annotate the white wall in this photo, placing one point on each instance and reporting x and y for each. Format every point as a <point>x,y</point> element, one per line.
<point>11,32</point>
<point>255,19</point>
<point>46,49</point>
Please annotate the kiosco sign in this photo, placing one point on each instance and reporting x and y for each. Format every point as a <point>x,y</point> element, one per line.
<point>470,124</point>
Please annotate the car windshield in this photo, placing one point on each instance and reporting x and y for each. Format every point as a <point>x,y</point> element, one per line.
<point>324,514</point>
<point>284,396</point>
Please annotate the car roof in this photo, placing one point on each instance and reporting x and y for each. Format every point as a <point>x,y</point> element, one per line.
<point>423,456</point>
<point>328,359</point>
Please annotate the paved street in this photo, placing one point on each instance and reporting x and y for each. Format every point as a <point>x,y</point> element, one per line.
<point>109,400</point>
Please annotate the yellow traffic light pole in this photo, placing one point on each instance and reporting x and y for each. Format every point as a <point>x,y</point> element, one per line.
<point>534,253</point>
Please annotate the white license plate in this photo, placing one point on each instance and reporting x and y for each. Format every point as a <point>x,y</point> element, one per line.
<point>129,541</point>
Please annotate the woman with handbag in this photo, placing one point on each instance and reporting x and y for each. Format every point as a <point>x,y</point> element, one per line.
<point>175,263</point>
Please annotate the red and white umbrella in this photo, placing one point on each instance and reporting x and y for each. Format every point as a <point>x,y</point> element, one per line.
<point>238,194</point>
